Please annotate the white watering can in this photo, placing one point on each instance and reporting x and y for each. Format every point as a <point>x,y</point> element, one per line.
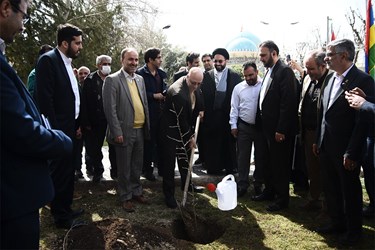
<point>226,192</point>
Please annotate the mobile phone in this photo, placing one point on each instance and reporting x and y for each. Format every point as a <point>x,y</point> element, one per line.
<point>288,59</point>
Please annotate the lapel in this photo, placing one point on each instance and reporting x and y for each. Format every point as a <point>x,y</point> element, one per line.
<point>268,83</point>
<point>124,84</point>
<point>275,69</point>
<point>305,85</point>
<point>62,66</point>
<point>185,90</point>
<point>270,79</point>
<point>139,88</point>
<point>327,94</point>
<point>346,84</point>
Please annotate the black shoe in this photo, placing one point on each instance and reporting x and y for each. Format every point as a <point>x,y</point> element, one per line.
<point>241,192</point>
<point>171,202</point>
<point>150,177</point>
<point>275,207</point>
<point>331,229</point>
<point>262,197</point>
<point>76,213</point>
<point>368,211</point>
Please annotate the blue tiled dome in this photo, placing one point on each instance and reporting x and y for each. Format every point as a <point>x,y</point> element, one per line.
<point>245,41</point>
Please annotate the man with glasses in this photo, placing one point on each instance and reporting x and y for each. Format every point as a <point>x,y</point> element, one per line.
<point>217,87</point>
<point>26,146</point>
<point>25,17</point>
<point>341,137</point>
<point>93,121</point>
<point>57,94</point>
<point>182,106</point>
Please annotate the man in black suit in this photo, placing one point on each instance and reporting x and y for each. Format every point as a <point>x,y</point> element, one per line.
<point>277,118</point>
<point>26,145</point>
<point>182,106</point>
<point>340,140</point>
<point>58,99</point>
<point>216,139</point>
<point>358,100</point>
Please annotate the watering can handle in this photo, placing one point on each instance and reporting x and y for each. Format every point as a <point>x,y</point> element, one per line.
<point>229,176</point>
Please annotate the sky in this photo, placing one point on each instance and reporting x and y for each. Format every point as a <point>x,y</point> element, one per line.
<point>203,25</point>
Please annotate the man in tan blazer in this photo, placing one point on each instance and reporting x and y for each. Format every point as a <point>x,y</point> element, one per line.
<point>125,108</point>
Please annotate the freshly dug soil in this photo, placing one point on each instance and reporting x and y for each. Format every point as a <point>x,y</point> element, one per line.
<point>119,234</point>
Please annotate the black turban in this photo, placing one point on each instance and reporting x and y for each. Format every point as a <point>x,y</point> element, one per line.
<point>221,51</point>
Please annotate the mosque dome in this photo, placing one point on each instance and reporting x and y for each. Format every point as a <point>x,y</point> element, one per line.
<point>244,41</point>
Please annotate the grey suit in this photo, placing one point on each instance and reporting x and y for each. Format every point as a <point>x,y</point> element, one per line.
<point>119,112</point>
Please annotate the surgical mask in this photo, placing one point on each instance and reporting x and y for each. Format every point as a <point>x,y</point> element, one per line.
<point>106,69</point>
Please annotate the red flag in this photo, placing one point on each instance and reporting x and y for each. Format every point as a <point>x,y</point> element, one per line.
<point>333,37</point>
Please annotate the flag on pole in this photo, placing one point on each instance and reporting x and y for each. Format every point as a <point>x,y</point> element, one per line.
<point>333,37</point>
<point>370,41</point>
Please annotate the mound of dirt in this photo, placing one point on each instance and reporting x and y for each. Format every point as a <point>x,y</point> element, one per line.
<point>119,234</point>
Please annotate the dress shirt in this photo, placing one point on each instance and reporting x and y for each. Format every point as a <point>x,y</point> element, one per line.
<point>244,103</point>
<point>338,79</point>
<point>2,46</point>
<point>73,81</point>
<point>265,85</point>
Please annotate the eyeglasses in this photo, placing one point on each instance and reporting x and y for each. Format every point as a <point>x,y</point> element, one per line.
<point>25,17</point>
<point>330,54</point>
<point>219,61</point>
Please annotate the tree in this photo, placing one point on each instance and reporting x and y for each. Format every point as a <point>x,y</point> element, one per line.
<point>174,58</point>
<point>358,29</point>
<point>108,26</point>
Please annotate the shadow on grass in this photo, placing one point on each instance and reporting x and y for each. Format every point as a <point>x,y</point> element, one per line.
<point>248,226</point>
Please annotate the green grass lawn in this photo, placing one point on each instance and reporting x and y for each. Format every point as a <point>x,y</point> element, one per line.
<point>248,226</point>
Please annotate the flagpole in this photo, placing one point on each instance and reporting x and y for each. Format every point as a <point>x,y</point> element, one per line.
<point>328,19</point>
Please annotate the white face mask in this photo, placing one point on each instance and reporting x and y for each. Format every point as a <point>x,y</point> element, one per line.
<point>106,69</point>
